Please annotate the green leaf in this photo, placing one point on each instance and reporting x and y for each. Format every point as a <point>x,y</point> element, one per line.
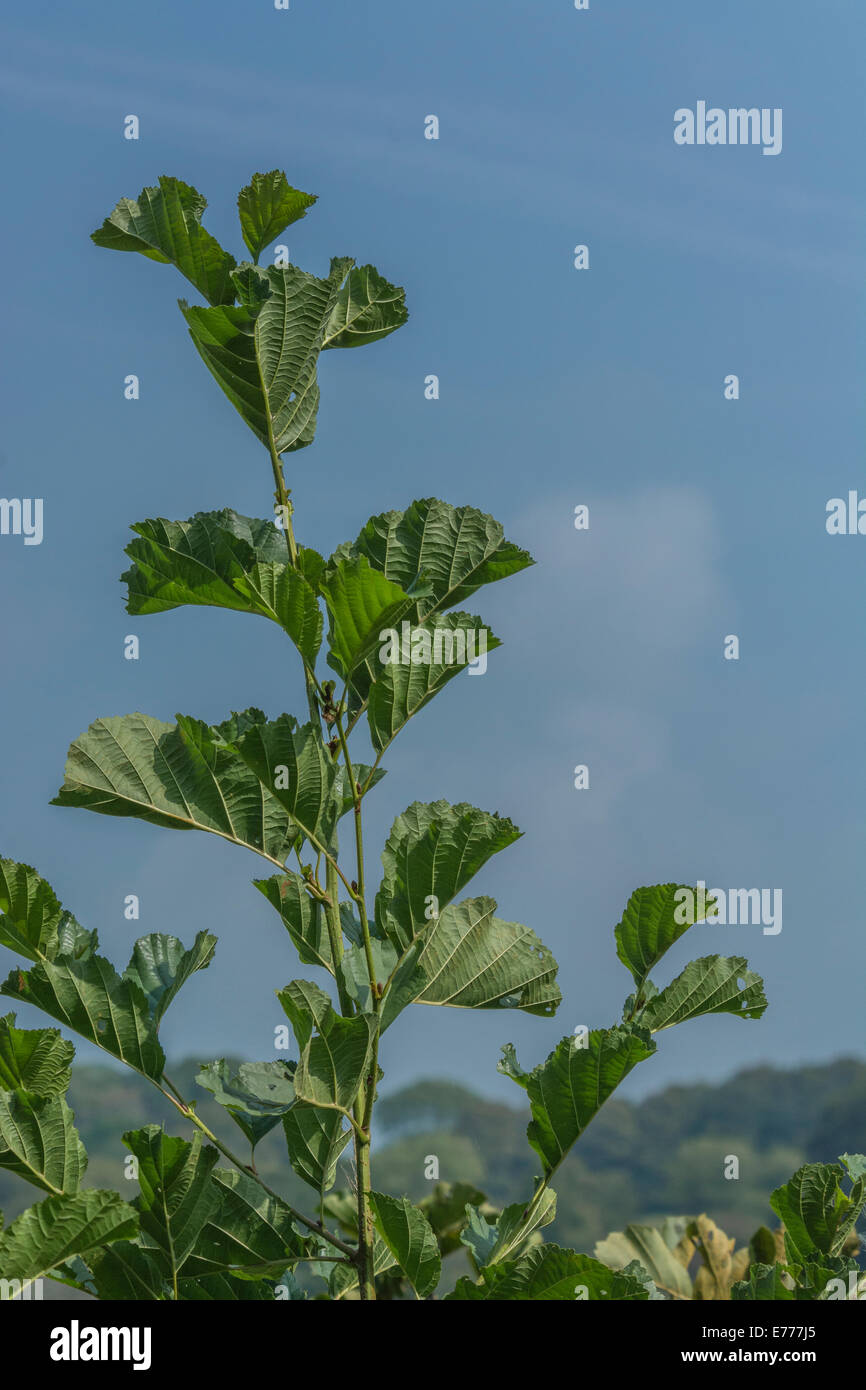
<point>225,1288</point>
<point>52,1231</point>
<point>186,776</point>
<point>410,1238</point>
<point>222,560</point>
<point>282,594</point>
<point>292,766</point>
<point>547,1273</point>
<point>648,1245</point>
<point>165,225</point>
<point>445,1207</point>
<point>90,997</point>
<point>251,1232</point>
<point>400,689</point>
<point>177,1198</point>
<point>34,1059</point>
<point>366,309</point>
<point>256,1096</point>
<point>361,603</point>
<point>356,976</point>
<point>160,965</point>
<point>762,1246</point>
<point>653,920</point>
<point>433,850</point>
<point>264,356</point>
<point>513,1233</point>
<point>315,1138</point>
<point>765,1283</point>
<point>32,921</point>
<point>334,1064</point>
<point>128,1273</point>
<point>303,917</point>
<point>567,1091</point>
<point>39,1141</point>
<point>470,959</point>
<point>817,1213</point>
<point>509,1236</point>
<point>855,1163</point>
<point>479,1236</point>
<point>828,1278</point>
<point>365,776</point>
<point>712,985</point>
<point>267,206</point>
<point>454,549</point>
<point>307,1008</point>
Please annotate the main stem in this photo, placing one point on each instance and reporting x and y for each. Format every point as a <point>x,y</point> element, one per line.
<point>286,511</point>
<point>363,1110</point>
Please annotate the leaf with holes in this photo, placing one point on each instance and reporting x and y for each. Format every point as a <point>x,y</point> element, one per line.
<point>90,997</point>
<point>468,958</point>
<point>712,985</point>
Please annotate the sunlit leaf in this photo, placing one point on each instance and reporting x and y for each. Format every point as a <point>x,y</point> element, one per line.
<point>165,225</point>
<point>266,206</point>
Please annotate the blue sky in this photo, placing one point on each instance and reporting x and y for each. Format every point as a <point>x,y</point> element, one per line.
<point>558,387</point>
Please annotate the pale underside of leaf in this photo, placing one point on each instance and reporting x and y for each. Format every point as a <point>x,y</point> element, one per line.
<point>182,776</point>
